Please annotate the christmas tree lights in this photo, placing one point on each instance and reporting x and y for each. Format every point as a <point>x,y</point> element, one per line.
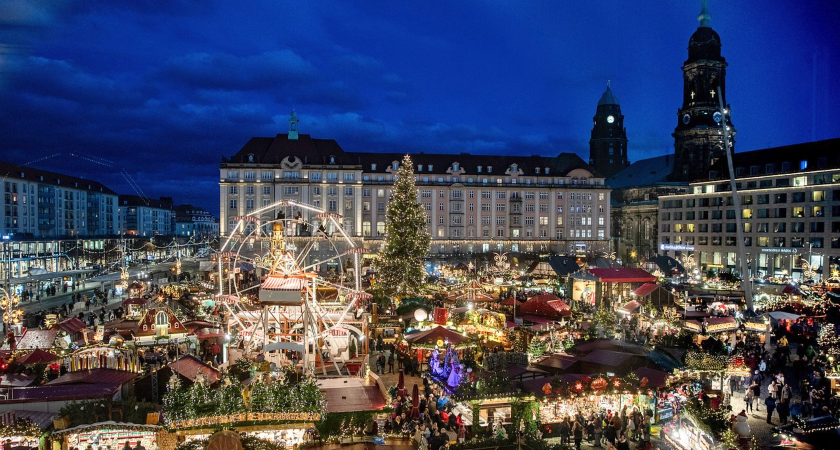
<point>401,268</point>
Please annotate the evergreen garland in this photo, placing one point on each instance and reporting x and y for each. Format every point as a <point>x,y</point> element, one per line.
<point>402,271</point>
<point>267,395</point>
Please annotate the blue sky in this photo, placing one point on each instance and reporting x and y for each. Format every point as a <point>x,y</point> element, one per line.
<point>158,91</point>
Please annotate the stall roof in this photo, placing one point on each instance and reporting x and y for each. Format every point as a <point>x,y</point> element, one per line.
<point>13,380</point>
<point>135,301</point>
<point>645,289</point>
<point>547,305</point>
<point>71,325</point>
<point>48,393</point>
<point>43,420</point>
<point>563,265</point>
<point>189,367</point>
<point>108,424</point>
<point>606,357</point>
<point>351,394</point>
<point>656,378</point>
<point>556,362</point>
<point>584,275</point>
<point>631,306</point>
<point>623,275</point>
<point>34,339</point>
<point>94,377</point>
<point>436,334</point>
<point>37,356</point>
<point>668,265</point>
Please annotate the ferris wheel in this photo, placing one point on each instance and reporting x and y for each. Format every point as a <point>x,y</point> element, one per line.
<point>287,306</point>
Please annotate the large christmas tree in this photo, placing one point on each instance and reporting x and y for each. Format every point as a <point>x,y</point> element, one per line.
<point>407,241</point>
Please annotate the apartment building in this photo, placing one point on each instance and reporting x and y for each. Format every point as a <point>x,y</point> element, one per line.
<point>790,207</point>
<point>38,204</point>
<point>140,216</point>
<point>194,221</point>
<point>475,203</point>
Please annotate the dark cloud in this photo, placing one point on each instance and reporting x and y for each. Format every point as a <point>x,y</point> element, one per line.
<point>268,70</point>
<point>163,89</point>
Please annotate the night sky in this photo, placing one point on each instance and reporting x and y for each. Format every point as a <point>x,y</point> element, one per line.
<point>153,93</point>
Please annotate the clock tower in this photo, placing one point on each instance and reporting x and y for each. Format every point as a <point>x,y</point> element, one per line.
<point>608,144</point>
<point>698,137</point>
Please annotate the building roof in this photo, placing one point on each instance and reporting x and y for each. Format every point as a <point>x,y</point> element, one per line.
<point>34,339</point>
<point>608,98</point>
<point>623,275</point>
<point>95,376</point>
<point>136,200</point>
<point>644,172</point>
<point>803,157</point>
<point>189,367</point>
<point>52,178</point>
<point>309,151</point>
<point>556,362</point>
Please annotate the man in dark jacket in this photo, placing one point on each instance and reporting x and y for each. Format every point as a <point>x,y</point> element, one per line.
<point>770,403</point>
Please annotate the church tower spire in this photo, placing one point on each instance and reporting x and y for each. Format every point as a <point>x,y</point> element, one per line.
<point>698,137</point>
<point>293,123</point>
<point>608,143</point>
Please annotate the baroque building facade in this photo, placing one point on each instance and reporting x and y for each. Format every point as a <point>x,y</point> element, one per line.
<point>474,203</point>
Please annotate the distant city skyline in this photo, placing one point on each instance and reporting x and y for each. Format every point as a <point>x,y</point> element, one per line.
<point>147,98</point>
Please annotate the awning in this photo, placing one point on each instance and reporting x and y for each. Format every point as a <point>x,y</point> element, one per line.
<point>645,289</point>
<point>275,283</point>
<point>630,307</point>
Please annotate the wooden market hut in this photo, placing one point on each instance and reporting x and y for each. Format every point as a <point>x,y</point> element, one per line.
<point>619,281</point>
<point>437,336</point>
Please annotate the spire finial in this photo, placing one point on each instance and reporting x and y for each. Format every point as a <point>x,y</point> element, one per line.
<point>608,84</point>
<point>293,122</point>
<point>705,18</point>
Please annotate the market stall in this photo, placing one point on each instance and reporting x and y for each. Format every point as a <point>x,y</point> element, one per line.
<point>113,435</point>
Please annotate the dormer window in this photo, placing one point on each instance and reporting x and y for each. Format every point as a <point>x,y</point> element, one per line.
<point>489,169</point>
<point>395,165</point>
<point>538,170</point>
<point>21,174</point>
<point>373,167</point>
<point>479,169</point>
<point>250,157</point>
<point>419,167</point>
<point>546,170</point>
<point>332,159</point>
<point>455,167</point>
<point>430,167</point>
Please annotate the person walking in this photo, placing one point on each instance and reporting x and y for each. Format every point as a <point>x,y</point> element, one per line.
<point>577,432</point>
<point>770,403</point>
<point>390,362</point>
<point>749,398</point>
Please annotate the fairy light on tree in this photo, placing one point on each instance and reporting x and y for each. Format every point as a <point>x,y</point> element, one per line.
<point>407,242</point>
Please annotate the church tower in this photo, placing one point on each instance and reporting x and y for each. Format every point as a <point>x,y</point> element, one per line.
<point>608,143</point>
<point>698,137</point>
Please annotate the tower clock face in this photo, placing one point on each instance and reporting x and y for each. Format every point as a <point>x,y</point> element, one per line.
<point>717,116</point>
<point>686,118</point>
<point>610,119</point>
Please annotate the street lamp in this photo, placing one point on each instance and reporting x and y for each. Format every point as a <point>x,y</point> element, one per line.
<point>11,312</point>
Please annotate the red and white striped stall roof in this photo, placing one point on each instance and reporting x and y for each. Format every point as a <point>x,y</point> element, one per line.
<point>274,283</point>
